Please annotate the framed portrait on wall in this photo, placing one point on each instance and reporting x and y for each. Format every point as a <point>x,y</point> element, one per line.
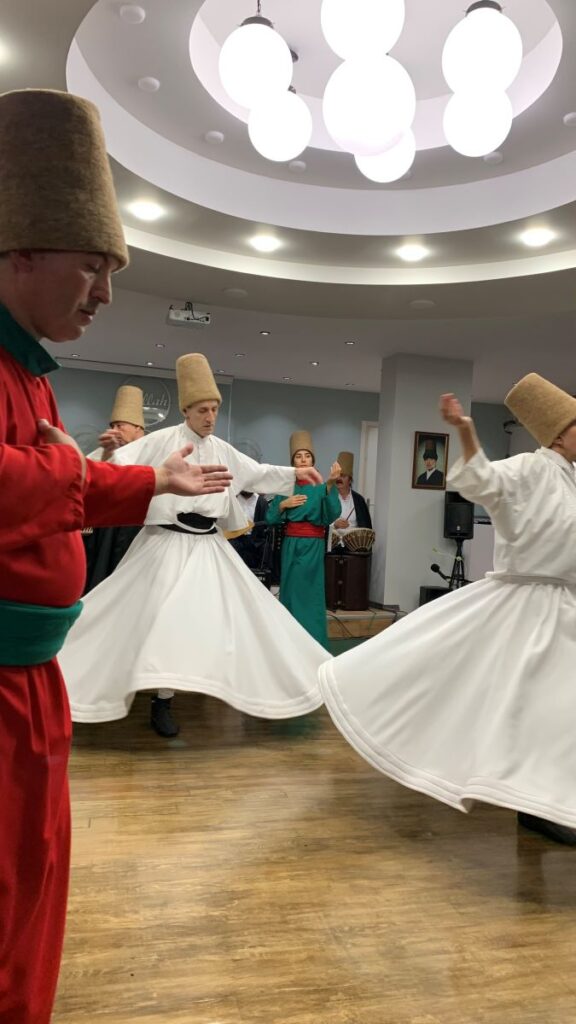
<point>430,460</point>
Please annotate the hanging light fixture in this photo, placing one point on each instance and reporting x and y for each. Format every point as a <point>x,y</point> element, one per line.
<point>368,103</point>
<point>355,27</point>
<point>477,123</point>
<point>254,60</point>
<point>483,51</point>
<point>280,127</point>
<point>392,164</point>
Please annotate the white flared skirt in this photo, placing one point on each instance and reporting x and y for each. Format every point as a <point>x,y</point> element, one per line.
<point>471,697</point>
<point>184,612</point>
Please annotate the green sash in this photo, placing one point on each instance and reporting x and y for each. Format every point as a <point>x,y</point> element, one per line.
<point>31,634</point>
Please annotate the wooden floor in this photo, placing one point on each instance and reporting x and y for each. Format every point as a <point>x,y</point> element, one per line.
<point>246,873</point>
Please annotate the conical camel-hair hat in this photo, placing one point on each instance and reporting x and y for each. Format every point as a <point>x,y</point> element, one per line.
<point>541,407</point>
<point>128,406</point>
<point>56,188</point>
<point>346,463</point>
<point>301,440</point>
<point>195,381</point>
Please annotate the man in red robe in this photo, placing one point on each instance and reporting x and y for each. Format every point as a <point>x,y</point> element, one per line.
<point>60,240</point>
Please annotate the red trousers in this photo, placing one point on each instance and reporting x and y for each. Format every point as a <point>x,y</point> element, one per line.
<point>35,734</point>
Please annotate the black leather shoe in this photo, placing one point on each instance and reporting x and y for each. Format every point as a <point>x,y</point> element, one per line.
<point>161,718</point>
<point>550,829</point>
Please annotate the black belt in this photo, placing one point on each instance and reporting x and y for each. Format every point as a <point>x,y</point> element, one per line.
<point>192,523</point>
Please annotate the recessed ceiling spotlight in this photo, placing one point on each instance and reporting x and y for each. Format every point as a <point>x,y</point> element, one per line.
<point>349,385</point>
<point>235,293</point>
<point>220,371</point>
<point>265,243</point>
<point>214,138</point>
<point>145,209</point>
<point>412,253</point>
<point>349,342</point>
<point>314,362</point>
<point>570,119</point>
<point>493,158</point>
<point>239,355</point>
<point>159,344</point>
<point>148,84</point>
<point>264,333</point>
<point>149,363</point>
<point>537,237</point>
<point>422,303</point>
<point>75,355</point>
<point>287,378</point>
<point>132,14</point>
<point>297,166</point>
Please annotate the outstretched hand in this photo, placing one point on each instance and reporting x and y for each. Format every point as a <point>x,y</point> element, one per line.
<point>308,475</point>
<point>452,412</point>
<point>176,476</point>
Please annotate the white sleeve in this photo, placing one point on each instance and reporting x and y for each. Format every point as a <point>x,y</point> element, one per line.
<point>250,475</point>
<point>136,453</point>
<point>482,481</point>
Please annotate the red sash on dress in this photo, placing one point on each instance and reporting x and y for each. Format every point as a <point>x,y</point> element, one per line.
<point>305,530</point>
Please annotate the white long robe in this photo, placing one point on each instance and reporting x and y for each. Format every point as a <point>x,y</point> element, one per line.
<point>473,696</point>
<point>184,612</point>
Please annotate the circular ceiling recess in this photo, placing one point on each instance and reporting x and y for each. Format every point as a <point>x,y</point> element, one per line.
<point>190,140</point>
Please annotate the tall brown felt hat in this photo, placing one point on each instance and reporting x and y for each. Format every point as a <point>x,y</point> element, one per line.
<point>300,440</point>
<point>56,189</point>
<point>542,408</point>
<point>195,381</point>
<point>430,449</point>
<point>128,406</point>
<point>346,462</point>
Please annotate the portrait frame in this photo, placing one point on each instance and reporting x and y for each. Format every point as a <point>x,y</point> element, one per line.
<point>429,440</point>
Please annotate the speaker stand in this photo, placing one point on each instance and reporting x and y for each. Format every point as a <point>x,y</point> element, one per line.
<point>457,578</point>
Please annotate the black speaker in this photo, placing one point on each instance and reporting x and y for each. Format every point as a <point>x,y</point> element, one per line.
<point>458,517</point>
<point>431,593</point>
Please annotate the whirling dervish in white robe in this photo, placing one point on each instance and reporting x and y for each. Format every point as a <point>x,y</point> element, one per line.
<point>473,696</point>
<point>182,610</point>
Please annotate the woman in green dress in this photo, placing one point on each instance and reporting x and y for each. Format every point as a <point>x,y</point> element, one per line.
<point>306,515</point>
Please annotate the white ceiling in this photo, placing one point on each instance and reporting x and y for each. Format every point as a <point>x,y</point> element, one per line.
<point>507,308</point>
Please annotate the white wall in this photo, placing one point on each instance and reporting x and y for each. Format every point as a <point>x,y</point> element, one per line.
<point>410,522</point>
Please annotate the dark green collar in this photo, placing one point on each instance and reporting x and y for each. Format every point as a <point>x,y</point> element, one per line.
<point>25,349</point>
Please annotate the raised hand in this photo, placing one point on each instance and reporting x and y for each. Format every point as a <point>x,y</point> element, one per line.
<point>335,471</point>
<point>110,440</point>
<point>308,474</point>
<point>176,476</point>
<point>452,411</point>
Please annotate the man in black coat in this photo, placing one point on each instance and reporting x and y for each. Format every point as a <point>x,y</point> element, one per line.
<point>354,512</point>
<point>432,477</point>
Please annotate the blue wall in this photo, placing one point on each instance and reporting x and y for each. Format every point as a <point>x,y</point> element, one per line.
<point>256,416</point>
<point>489,420</point>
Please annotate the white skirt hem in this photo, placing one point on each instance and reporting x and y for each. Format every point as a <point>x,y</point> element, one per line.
<point>460,797</point>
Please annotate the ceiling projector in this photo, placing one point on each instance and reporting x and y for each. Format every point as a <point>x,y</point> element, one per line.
<point>187,317</point>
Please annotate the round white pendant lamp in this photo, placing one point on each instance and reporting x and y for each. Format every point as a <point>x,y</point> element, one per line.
<point>355,27</point>
<point>280,127</point>
<point>254,61</point>
<point>368,103</point>
<point>477,123</point>
<point>483,51</point>
<point>392,164</point>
